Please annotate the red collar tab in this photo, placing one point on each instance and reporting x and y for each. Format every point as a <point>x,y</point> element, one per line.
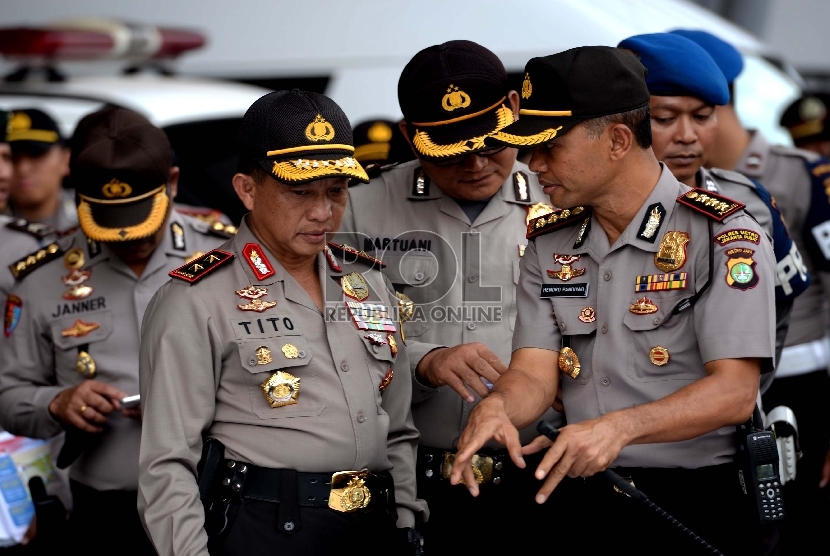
<point>255,256</point>
<point>333,262</point>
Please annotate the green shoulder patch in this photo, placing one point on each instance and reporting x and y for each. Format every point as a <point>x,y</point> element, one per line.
<point>25,266</point>
<point>547,223</point>
<point>350,255</point>
<point>196,269</point>
<point>711,204</point>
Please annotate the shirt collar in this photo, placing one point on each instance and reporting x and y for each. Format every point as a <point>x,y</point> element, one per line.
<point>245,236</point>
<point>754,159</point>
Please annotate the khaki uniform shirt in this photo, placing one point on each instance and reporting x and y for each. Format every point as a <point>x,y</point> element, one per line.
<point>39,357</point>
<point>462,276</point>
<point>67,215</point>
<point>782,172</point>
<point>204,361</point>
<point>630,358</point>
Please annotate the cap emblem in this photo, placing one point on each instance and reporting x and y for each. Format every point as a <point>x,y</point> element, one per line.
<point>527,88</point>
<point>115,189</point>
<point>455,99</point>
<point>811,108</point>
<point>319,130</point>
<point>20,121</point>
<point>379,133</point>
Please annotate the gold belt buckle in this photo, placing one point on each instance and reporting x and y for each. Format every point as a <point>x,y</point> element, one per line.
<point>482,467</point>
<point>349,492</point>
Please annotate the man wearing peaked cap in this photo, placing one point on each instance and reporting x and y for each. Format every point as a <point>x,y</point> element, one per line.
<point>797,180</point>
<point>806,120</point>
<point>651,301</point>
<point>686,86</point>
<point>71,338</point>
<point>273,370</point>
<point>450,228</point>
<point>380,142</point>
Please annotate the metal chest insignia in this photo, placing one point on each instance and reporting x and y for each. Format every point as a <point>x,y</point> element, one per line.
<point>79,329</point>
<point>672,253</point>
<point>85,365</point>
<point>588,314</point>
<point>659,355</point>
<point>263,355</point>
<point>387,379</point>
<point>290,351</point>
<point>281,389</point>
<point>643,306</point>
<point>256,259</point>
<point>349,491</point>
<point>567,271</point>
<point>393,344</point>
<point>569,362</point>
<point>73,259</point>
<point>178,237</point>
<point>375,339</point>
<point>651,222</point>
<point>75,280</point>
<point>252,292</point>
<point>255,293</point>
<point>740,269</point>
<point>520,188</point>
<point>354,285</point>
<point>406,308</point>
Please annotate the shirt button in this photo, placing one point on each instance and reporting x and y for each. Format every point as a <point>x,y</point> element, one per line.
<point>376,349</point>
<point>419,275</point>
<point>472,278</point>
<point>301,354</point>
<point>360,417</point>
<point>656,320</point>
<point>604,328</point>
<point>473,231</point>
<point>561,326</point>
<point>605,381</point>
<point>471,326</point>
<point>252,361</point>
<point>344,367</point>
<point>607,276</point>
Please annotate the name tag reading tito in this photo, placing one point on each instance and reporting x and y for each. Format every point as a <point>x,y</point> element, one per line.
<point>564,290</point>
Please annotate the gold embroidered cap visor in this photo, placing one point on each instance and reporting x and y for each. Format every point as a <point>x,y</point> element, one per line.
<point>299,166</point>
<point>461,135</point>
<point>123,219</point>
<point>531,130</point>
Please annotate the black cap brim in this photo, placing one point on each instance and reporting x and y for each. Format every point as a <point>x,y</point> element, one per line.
<point>529,131</point>
<point>35,148</point>
<point>123,221</point>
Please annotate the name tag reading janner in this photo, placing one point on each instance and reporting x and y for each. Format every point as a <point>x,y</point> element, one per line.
<point>564,290</point>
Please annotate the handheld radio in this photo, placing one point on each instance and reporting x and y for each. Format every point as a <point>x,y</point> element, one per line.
<point>759,472</point>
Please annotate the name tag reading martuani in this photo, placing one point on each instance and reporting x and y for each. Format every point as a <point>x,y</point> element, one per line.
<point>564,290</point>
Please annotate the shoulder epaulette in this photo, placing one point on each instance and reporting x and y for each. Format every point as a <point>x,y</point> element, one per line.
<point>34,260</point>
<point>731,175</point>
<point>373,170</point>
<point>711,204</point>
<point>208,215</point>
<point>556,220</point>
<point>355,254</point>
<point>40,231</point>
<point>226,231</point>
<point>196,269</point>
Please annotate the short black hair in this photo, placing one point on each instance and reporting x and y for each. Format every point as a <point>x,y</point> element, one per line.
<point>253,168</point>
<point>637,120</point>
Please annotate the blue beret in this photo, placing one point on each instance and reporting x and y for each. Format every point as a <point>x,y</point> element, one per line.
<point>678,67</point>
<point>726,56</point>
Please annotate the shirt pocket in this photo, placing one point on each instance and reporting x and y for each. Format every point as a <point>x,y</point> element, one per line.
<point>578,333</point>
<point>76,333</point>
<point>662,346</point>
<point>263,358</point>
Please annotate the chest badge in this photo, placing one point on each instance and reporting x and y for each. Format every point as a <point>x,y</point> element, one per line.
<point>281,389</point>
<point>73,259</point>
<point>263,355</point>
<point>254,294</point>
<point>588,314</point>
<point>387,380</point>
<point>375,339</point>
<point>255,257</point>
<point>354,285</point>
<point>672,253</point>
<point>85,365</point>
<point>643,306</point>
<point>567,271</point>
<point>659,355</point>
<point>651,222</point>
<point>290,351</point>
<point>569,362</point>
<point>393,344</point>
<point>79,329</point>
<point>740,267</point>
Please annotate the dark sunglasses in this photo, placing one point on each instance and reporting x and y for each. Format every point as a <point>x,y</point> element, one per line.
<point>456,160</point>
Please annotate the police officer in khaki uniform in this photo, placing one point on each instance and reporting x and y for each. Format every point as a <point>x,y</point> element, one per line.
<point>286,354</point>
<point>659,327</point>
<point>806,121</point>
<point>686,86</point>
<point>795,178</point>
<point>450,228</point>
<point>73,318</point>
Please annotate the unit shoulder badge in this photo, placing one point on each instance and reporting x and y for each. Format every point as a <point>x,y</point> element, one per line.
<point>556,220</point>
<point>350,255</point>
<point>195,270</point>
<point>711,204</point>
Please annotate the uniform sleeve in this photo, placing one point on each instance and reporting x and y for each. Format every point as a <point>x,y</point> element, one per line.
<point>535,322</point>
<point>402,440</point>
<point>735,317</point>
<point>27,371</point>
<point>180,363</point>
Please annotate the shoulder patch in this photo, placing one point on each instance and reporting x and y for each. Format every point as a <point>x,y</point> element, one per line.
<point>25,266</point>
<point>39,231</point>
<point>556,220</point>
<point>226,231</point>
<point>711,204</point>
<point>350,254</point>
<point>196,269</point>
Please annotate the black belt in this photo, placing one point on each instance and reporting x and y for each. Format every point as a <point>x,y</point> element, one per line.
<point>349,491</point>
<point>489,466</point>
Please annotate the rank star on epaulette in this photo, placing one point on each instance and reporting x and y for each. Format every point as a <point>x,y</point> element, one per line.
<point>711,204</point>
<point>554,221</point>
<point>350,255</point>
<point>195,270</point>
<point>34,260</point>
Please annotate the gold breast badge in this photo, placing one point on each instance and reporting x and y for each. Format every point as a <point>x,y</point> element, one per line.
<point>588,314</point>
<point>290,351</point>
<point>354,285</point>
<point>567,271</point>
<point>569,362</point>
<point>387,380</point>
<point>79,329</point>
<point>643,306</point>
<point>85,365</point>
<point>672,253</point>
<point>255,294</point>
<point>659,355</point>
<point>281,389</point>
<point>393,344</point>
<point>263,355</point>
<point>73,259</point>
